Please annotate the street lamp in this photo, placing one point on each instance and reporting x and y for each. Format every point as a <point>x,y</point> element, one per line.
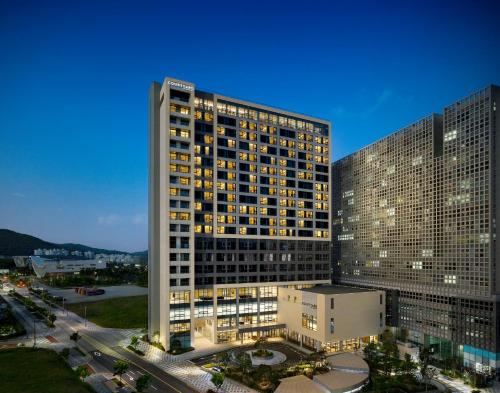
<point>34,333</point>
<point>85,318</point>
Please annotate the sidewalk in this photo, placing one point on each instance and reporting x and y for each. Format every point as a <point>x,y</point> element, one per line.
<point>457,385</point>
<point>188,372</point>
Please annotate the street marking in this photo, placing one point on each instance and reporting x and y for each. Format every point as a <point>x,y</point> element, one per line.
<point>109,349</point>
<point>154,387</point>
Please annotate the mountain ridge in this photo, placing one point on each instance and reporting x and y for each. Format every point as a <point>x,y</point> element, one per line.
<point>14,243</point>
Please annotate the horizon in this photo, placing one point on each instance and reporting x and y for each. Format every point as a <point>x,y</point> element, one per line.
<point>75,77</point>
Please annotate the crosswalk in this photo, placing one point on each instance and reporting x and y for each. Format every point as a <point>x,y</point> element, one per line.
<point>177,366</point>
<point>188,372</point>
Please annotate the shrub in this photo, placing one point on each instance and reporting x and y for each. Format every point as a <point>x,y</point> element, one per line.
<point>135,350</point>
<point>263,353</point>
<point>64,353</point>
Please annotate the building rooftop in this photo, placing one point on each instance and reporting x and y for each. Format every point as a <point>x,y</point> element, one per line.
<point>335,289</point>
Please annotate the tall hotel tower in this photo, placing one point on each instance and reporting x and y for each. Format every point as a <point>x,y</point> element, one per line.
<point>416,214</point>
<point>239,205</point>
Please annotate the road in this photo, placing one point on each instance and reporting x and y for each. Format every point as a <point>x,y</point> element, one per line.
<point>101,345</point>
<point>107,356</point>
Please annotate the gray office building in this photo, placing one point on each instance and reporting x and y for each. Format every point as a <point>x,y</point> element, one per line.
<point>415,214</point>
<point>239,205</point>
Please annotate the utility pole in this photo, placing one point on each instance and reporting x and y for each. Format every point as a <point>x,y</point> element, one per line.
<point>85,318</point>
<point>34,333</point>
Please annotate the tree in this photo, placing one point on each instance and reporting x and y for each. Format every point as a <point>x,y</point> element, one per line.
<point>143,382</point>
<point>52,318</point>
<point>425,357</point>
<point>389,345</point>
<point>218,380</point>
<point>120,368</point>
<point>403,336</point>
<point>408,366</point>
<point>371,352</point>
<point>75,337</point>
<point>389,351</point>
<point>134,341</point>
<point>245,362</point>
<point>223,358</point>
<point>82,372</point>
<point>260,342</point>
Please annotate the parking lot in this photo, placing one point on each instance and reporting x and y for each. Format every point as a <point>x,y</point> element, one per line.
<point>111,292</point>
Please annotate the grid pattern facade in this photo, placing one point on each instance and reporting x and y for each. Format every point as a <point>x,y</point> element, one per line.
<point>414,213</point>
<point>259,173</point>
<point>239,204</point>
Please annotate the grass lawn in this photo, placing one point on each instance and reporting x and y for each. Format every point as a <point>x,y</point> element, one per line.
<point>37,370</point>
<point>122,313</point>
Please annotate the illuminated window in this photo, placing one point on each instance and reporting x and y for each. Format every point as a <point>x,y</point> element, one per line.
<point>450,279</point>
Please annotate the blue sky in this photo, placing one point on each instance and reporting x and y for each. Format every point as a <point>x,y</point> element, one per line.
<point>74,78</point>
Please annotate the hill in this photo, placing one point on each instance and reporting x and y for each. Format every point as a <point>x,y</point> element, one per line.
<point>14,243</point>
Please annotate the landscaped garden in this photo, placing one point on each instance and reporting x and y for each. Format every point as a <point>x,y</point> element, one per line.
<point>390,374</point>
<point>42,313</point>
<point>263,353</point>
<point>468,377</point>
<point>9,326</point>
<point>38,370</point>
<point>237,364</point>
<point>122,313</point>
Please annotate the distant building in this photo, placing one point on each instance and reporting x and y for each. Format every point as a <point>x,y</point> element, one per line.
<point>21,261</point>
<point>126,259</point>
<point>43,267</point>
<point>51,252</point>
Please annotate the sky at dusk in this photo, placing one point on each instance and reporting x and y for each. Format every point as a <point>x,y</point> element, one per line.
<point>74,78</point>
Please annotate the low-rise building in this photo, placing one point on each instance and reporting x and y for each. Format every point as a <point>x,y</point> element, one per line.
<point>43,266</point>
<point>331,317</point>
